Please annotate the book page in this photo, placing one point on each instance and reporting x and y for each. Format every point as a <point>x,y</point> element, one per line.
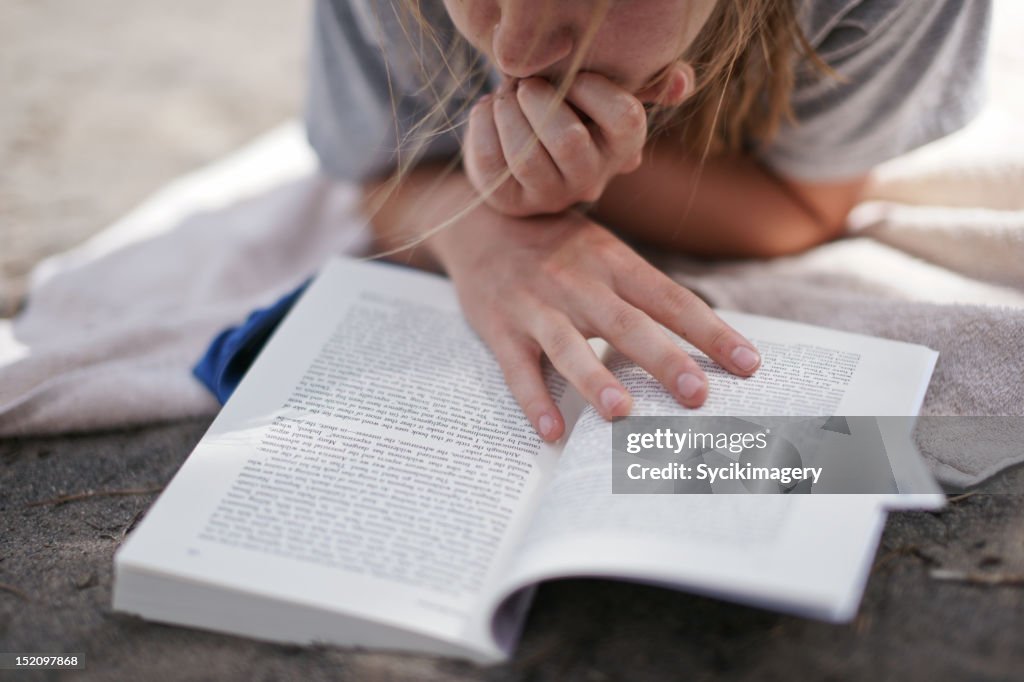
<point>372,461</point>
<point>804,553</point>
<point>805,371</point>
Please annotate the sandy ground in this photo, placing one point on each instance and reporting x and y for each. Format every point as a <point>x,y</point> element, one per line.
<point>104,101</point>
<point>58,558</point>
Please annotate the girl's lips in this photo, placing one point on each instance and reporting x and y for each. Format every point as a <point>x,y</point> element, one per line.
<point>509,83</point>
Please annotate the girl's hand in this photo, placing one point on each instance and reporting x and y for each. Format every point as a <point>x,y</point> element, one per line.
<point>560,153</point>
<point>543,286</point>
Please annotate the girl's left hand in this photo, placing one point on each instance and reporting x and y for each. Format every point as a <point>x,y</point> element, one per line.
<point>560,153</point>
<point>543,286</point>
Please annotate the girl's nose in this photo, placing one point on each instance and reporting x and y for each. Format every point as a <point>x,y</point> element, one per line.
<point>526,45</point>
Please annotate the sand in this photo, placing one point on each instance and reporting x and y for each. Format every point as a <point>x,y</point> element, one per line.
<point>911,626</point>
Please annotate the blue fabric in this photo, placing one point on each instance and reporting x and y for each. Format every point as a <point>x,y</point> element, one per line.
<point>233,350</point>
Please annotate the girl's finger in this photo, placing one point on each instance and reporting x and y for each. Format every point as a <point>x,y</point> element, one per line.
<point>566,138</point>
<point>687,315</point>
<point>573,357</point>
<point>485,160</point>
<point>634,334</point>
<point>520,363</point>
<point>619,116</point>
<point>529,161</point>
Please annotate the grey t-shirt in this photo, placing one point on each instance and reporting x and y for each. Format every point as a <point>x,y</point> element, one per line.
<point>912,72</point>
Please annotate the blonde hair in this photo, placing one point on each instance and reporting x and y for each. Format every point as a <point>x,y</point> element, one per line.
<point>746,59</point>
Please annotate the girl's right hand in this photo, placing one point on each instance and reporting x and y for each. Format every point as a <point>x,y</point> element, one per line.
<point>531,153</point>
<point>543,286</point>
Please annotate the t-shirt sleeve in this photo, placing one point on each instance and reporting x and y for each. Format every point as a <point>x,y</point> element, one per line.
<point>911,72</point>
<point>368,100</point>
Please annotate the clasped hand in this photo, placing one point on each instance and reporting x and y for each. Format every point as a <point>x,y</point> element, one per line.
<point>529,152</point>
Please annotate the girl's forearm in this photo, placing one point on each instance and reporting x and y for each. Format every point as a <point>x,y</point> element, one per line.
<point>731,207</point>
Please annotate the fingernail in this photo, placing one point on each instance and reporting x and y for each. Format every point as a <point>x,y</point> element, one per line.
<point>745,359</point>
<point>546,426</point>
<point>611,397</point>
<point>689,385</point>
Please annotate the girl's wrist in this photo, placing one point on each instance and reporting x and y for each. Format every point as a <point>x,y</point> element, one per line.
<point>461,230</point>
<point>404,216</point>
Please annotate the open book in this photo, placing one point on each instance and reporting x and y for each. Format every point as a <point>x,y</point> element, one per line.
<point>372,482</point>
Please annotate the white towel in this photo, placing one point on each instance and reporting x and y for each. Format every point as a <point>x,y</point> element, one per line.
<point>112,328</point>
